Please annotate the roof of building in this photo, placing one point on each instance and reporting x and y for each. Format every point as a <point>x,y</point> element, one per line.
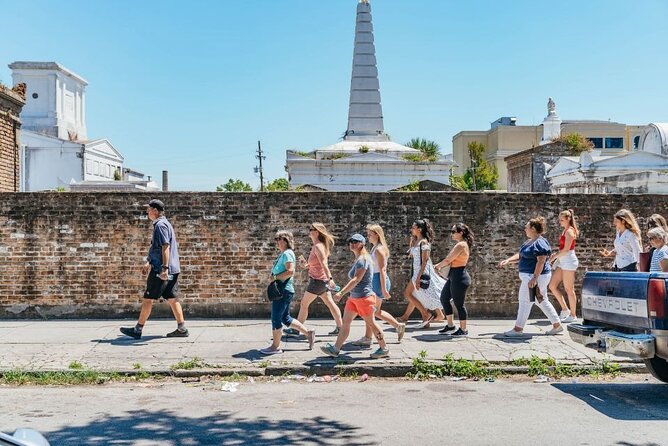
<point>29,65</point>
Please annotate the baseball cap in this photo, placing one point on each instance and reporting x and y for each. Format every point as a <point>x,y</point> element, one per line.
<point>156,204</point>
<point>357,238</point>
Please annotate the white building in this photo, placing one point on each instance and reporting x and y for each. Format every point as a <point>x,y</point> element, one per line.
<point>642,171</point>
<point>55,149</point>
<point>366,159</point>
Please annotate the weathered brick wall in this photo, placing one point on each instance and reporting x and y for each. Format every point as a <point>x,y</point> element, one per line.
<point>11,103</point>
<point>78,254</point>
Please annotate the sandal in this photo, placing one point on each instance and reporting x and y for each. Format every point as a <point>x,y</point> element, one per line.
<point>425,324</point>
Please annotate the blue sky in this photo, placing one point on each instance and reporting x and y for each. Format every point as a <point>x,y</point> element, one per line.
<point>191,86</point>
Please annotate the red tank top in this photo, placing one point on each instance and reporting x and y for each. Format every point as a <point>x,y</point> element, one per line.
<point>562,242</point>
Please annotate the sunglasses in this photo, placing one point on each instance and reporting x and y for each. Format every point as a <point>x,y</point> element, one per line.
<point>279,238</point>
<point>353,242</point>
<point>312,229</point>
<point>453,231</point>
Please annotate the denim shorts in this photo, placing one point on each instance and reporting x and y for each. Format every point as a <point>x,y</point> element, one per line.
<point>280,311</point>
<point>375,284</point>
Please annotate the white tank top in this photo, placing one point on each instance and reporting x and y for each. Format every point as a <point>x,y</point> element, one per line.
<point>374,260</point>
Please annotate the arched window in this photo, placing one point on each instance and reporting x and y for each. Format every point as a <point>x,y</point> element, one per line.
<point>636,142</point>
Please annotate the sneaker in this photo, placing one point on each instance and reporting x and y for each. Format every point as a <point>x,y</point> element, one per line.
<point>564,314</point>
<point>569,319</point>
<point>460,333</point>
<point>130,331</point>
<point>401,331</point>
<point>380,353</point>
<point>290,332</point>
<point>310,337</point>
<point>362,342</point>
<point>271,351</point>
<point>335,331</point>
<point>555,331</point>
<point>514,334</point>
<point>330,350</point>
<point>179,333</point>
<point>447,330</point>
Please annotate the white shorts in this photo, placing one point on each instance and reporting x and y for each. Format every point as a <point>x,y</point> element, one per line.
<point>569,262</point>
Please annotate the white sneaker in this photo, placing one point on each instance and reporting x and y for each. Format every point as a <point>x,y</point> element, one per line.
<point>514,334</point>
<point>569,319</point>
<point>555,331</point>
<point>564,314</point>
<point>362,342</point>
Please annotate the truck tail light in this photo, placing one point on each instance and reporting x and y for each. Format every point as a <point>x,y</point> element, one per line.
<point>656,298</point>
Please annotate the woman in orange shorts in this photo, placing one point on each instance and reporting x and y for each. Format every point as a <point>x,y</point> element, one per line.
<point>362,300</point>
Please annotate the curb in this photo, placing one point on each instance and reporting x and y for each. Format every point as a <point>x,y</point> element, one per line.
<point>397,370</point>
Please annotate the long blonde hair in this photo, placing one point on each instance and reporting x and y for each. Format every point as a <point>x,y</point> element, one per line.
<point>381,235</point>
<point>629,220</point>
<point>324,236</point>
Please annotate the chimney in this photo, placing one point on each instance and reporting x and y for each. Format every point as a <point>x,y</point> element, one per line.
<point>165,181</point>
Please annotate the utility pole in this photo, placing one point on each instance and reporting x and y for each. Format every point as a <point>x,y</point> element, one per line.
<point>475,186</point>
<point>260,157</point>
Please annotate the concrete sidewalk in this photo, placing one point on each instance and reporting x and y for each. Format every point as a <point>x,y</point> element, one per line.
<point>232,345</point>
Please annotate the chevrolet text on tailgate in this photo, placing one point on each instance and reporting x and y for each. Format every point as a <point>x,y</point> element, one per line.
<point>626,314</point>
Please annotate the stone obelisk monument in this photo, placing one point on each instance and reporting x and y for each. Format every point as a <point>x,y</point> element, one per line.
<point>365,113</point>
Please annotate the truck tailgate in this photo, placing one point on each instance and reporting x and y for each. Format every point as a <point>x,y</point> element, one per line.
<point>618,299</point>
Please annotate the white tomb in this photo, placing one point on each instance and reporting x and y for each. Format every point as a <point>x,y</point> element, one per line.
<point>366,159</point>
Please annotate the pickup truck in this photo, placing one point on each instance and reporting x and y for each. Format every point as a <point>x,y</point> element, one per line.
<point>626,314</point>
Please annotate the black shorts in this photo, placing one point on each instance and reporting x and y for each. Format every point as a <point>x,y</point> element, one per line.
<point>317,286</point>
<point>157,288</point>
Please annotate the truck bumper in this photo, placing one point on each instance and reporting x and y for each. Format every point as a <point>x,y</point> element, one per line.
<point>635,346</point>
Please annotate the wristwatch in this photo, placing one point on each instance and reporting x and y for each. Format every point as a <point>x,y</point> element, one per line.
<point>164,267</point>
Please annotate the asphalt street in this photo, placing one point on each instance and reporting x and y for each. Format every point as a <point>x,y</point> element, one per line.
<point>631,410</point>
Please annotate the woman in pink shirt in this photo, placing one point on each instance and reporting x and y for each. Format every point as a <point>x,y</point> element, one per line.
<point>320,277</point>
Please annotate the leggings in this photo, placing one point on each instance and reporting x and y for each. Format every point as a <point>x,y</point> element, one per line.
<point>455,289</point>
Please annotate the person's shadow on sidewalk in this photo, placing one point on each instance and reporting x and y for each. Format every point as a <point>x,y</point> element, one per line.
<point>252,355</point>
<point>518,340</point>
<point>127,341</point>
<point>431,337</point>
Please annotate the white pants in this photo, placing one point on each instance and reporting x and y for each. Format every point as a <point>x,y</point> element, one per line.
<point>526,305</point>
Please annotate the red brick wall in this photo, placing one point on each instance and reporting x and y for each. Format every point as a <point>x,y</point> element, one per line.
<point>78,254</point>
<point>11,104</point>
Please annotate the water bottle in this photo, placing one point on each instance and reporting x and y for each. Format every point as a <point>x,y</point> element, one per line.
<point>336,289</point>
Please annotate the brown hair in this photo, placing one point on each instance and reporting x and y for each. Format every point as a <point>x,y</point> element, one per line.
<point>570,215</point>
<point>324,237</point>
<point>466,232</point>
<point>629,220</point>
<point>426,229</point>
<point>288,237</point>
<point>538,223</point>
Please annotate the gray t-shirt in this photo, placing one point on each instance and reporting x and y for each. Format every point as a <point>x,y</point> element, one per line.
<point>363,287</point>
<point>163,234</point>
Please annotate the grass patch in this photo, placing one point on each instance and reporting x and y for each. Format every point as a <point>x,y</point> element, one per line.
<point>449,366</point>
<point>336,156</point>
<point>190,364</point>
<point>75,365</point>
<point>136,366</point>
<point>264,364</point>
<point>20,378</point>
<point>549,367</point>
